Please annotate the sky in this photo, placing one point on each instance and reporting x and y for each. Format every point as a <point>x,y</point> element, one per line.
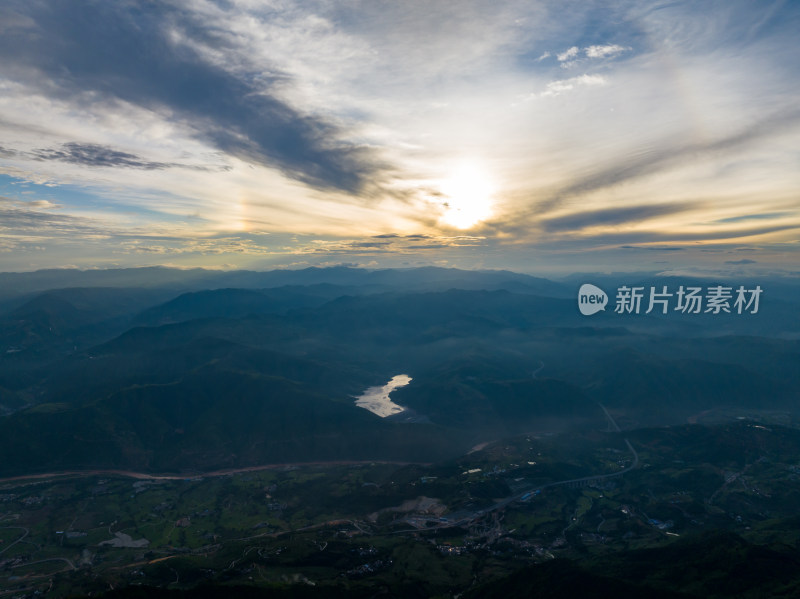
<point>543,137</point>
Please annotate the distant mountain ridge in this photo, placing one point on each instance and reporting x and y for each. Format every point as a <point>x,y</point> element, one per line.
<point>422,278</point>
<point>490,353</point>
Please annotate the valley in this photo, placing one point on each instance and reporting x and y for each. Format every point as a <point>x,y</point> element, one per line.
<point>354,527</point>
<point>349,432</point>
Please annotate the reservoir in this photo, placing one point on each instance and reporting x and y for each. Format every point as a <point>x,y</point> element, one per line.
<point>376,399</point>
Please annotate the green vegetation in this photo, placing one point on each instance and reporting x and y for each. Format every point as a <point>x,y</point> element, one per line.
<point>690,521</point>
<point>199,434</point>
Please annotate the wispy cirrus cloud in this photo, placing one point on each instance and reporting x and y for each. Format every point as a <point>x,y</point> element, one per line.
<point>605,51</point>
<point>671,155</point>
<point>115,51</point>
<point>96,155</point>
<point>575,55</point>
<point>350,121</point>
<point>554,88</point>
<point>615,216</point>
<point>761,216</point>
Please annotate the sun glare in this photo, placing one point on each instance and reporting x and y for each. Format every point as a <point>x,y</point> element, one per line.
<point>467,194</point>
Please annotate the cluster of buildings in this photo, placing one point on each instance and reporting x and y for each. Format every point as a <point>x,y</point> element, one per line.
<point>369,568</point>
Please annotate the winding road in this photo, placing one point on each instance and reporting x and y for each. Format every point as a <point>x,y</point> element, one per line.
<point>449,524</point>
<point>10,545</point>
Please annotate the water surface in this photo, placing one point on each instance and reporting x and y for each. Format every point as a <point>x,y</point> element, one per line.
<point>376,399</point>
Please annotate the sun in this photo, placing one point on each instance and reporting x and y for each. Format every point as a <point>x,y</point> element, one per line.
<point>467,196</point>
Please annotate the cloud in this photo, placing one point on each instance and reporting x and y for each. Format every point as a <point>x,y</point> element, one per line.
<point>98,155</point>
<point>605,51</point>
<point>43,204</point>
<point>19,220</point>
<point>371,244</point>
<point>746,217</point>
<point>568,54</point>
<point>155,58</point>
<point>738,262</point>
<point>649,237</point>
<point>628,168</point>
<point>615,216</point>
<point>653,248</point>
<point>555,88</point>
<point>378,101</point>
<point>573,230</point>
<point>569,58</point>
